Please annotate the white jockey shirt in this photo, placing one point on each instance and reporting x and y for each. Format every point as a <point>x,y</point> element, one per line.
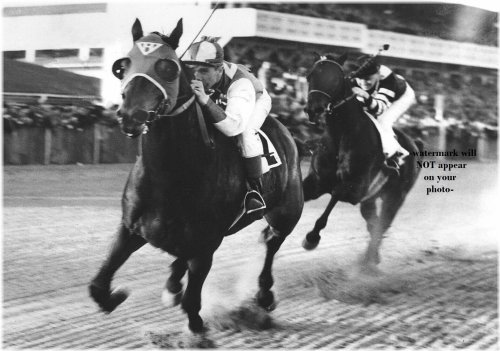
<point>233,101</point>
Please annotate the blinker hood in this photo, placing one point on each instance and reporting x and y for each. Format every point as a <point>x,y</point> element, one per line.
<point>144,55</point>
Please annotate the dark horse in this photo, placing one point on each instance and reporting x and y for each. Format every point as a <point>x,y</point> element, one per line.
<point>348,162</point>
<point>183,195</point>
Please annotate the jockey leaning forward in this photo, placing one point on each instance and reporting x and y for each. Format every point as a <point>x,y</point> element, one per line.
<point>237,103</point>
<point>386,96</point>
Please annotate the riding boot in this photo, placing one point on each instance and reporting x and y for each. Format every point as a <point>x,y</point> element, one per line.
<point>391,168</point>
<point>254,202</point>
<point>392,164</point>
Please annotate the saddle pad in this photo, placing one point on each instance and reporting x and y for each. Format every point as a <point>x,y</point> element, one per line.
<point>388,139</point>
<point>270,159</point>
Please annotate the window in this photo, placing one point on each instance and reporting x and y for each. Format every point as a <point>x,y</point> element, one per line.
<point>96,52</point>
<point>54,54</point>
<point>14,55</point>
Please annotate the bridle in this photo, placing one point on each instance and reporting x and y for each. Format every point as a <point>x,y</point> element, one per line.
<point>332,103</point>
<point>160,113</point>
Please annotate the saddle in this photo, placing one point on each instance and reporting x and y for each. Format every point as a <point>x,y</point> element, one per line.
<point>270,158</point>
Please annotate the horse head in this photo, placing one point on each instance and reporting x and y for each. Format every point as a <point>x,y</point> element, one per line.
<point>326,86</point>
<point>152,79</point>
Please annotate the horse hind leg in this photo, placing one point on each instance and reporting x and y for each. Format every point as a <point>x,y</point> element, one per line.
<point>123,245</point>
<point>265,296</point>
<point>172,294</point>
<point>377,226</point>
<point>282,220</point>
<point>369,213</point>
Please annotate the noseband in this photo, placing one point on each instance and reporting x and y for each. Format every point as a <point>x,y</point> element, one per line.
<point>163,106</point>
<point>332,103</point>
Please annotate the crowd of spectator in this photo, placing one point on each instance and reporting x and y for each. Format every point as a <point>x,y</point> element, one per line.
<point>70,116</point>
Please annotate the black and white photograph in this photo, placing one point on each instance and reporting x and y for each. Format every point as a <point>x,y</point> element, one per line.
<point>250,175</point>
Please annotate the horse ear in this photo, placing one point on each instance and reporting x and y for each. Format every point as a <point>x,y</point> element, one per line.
<point>342,58</point>
<point>176,35</point>
<point>331,57</point>
<point>316,56</point>
<point>137,30</point>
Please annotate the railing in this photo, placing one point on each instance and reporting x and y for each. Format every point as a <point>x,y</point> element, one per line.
<point>96,144</point>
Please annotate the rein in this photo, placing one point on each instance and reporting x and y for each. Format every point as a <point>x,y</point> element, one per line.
<point>331,106</point>
<point>156,115</point>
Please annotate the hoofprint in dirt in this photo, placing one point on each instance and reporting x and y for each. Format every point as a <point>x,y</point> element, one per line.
<point>437,287</point>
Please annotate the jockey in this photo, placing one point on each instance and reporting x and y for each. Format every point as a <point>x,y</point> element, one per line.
<point>386,96</point>
<point>237,104</point>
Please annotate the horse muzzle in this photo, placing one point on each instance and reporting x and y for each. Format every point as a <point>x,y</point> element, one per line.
<point>135,124</point>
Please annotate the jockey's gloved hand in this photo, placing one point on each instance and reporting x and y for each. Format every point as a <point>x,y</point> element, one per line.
<point>199,91</point>
<point>361,93</point>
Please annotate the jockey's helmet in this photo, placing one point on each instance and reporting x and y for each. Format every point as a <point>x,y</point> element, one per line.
<point>205,53</point>
<point>371,68</point>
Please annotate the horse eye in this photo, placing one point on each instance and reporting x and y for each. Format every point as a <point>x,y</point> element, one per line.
<point>167,69</point>
<point>120,66</point>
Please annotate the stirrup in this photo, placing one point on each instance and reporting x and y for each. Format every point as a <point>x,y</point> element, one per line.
<point>255,201</point>
<point>391,167</point>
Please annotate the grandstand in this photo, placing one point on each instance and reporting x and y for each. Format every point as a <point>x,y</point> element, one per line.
<point>448,53</point>
<point>432,20</point>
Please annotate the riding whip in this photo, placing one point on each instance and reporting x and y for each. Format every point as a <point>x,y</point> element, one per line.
<point>196,36</point>
<point>368,61</point>
<point>352,75</point>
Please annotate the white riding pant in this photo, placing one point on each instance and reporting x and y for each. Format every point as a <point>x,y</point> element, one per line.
<point>249,141</point>
<point>385,121</point>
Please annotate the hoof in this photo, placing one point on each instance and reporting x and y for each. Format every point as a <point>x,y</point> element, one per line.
<point>195,340</point>
<point>195,325</point>
<point>266,300</point>
<point>310,244</point>
<point>179,340</point>
<point>370,269</point>
<point>107,300</point>
<point>171,299</point>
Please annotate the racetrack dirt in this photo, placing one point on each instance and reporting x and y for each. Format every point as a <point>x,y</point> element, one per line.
<point>437,289</point>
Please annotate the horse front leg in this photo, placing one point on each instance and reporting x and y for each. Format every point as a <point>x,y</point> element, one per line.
<point>198,269</point>
<point>123,245</point>
<point>172,294</point>
<point>312,238</point>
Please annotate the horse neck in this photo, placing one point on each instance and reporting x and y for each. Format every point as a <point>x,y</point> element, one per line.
<point>175,142</point>
<point>346,120</point>
<point>350,128</point>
